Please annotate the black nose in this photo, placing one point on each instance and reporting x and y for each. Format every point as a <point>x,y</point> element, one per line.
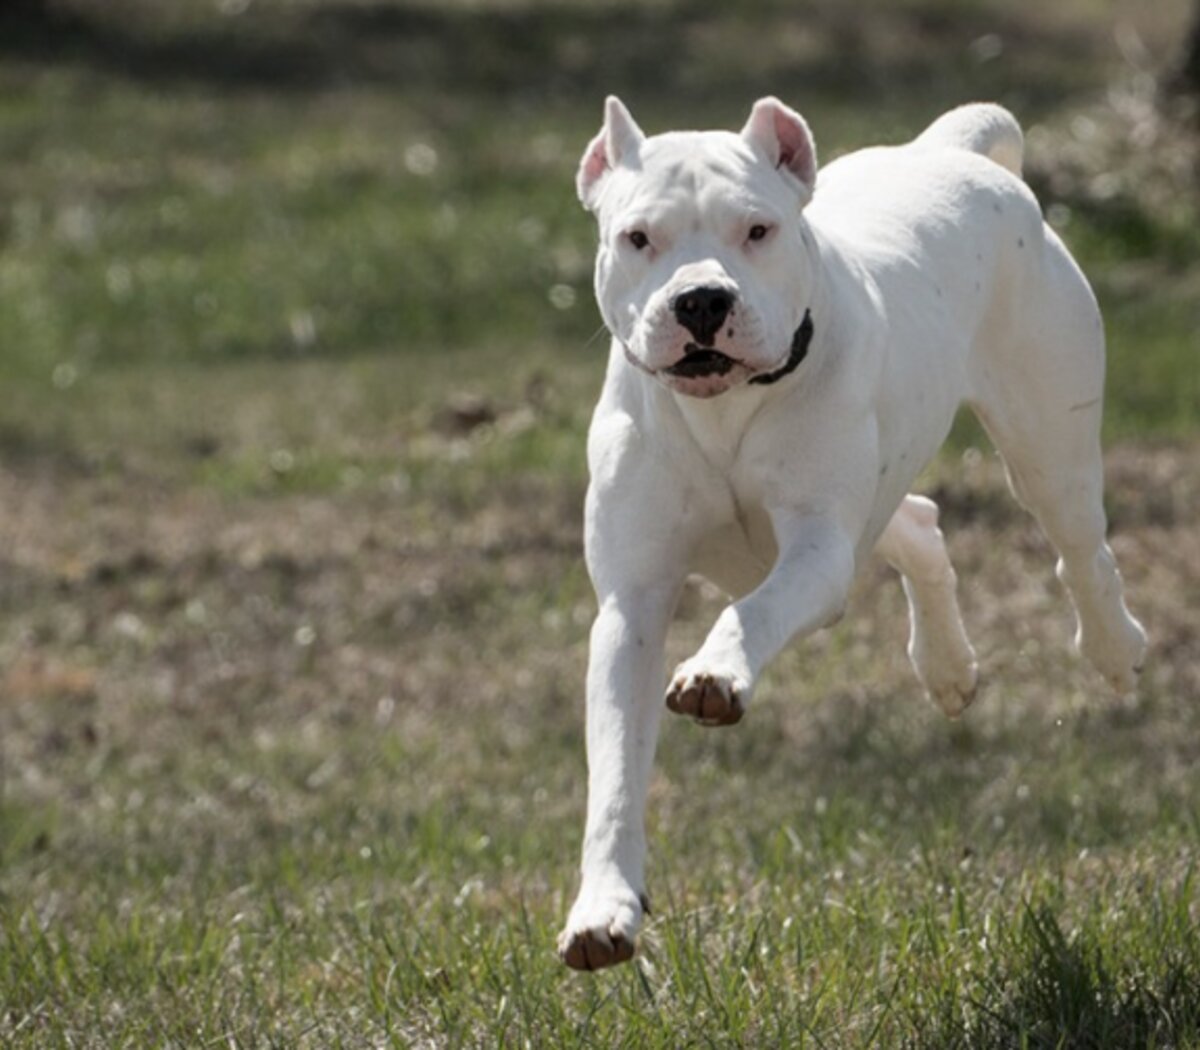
<point>702,311</point>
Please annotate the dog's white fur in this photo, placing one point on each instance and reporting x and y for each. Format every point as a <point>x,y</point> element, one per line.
<point>931,280</point>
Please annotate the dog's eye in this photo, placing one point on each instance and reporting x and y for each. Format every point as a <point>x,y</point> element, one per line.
<point>757,232</point>
<point>638,239</point>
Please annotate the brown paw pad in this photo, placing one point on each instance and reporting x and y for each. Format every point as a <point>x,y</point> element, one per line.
<point>588,950</point>
<point>706,699</point>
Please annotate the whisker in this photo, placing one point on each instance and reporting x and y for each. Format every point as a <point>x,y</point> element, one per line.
<point>594,336</point>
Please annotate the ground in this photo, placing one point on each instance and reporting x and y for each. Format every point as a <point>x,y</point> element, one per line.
<point>297,359</point>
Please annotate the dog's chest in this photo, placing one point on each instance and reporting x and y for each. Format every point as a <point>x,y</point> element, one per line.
<point>736,546</point>
<point>735,539</point>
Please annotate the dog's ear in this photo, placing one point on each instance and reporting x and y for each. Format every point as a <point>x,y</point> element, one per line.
<point>781,135</point>
<point>617,143</point>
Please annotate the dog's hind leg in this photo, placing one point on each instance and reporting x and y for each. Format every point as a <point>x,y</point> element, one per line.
<point>1040,400</point>
<point>937,646</point>
<point>1062,484</point>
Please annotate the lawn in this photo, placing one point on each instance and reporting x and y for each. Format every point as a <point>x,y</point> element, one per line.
<point>298,352</point>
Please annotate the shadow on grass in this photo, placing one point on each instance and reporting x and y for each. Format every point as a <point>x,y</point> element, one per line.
<point>1064,990</point>
<point>549,53</point>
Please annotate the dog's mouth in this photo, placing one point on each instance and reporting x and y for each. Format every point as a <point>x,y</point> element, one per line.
<point>703,362</point>
<point>699,363</point>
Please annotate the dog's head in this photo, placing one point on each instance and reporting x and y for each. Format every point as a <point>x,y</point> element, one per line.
<point>704,258</point>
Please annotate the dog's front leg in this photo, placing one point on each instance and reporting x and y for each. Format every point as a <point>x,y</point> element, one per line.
<point>624,689</point>
<point>805,590</point>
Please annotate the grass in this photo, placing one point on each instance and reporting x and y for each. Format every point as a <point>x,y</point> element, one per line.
<point>298,352</point>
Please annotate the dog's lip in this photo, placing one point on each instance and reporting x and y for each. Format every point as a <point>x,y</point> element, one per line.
<point>701,362</point>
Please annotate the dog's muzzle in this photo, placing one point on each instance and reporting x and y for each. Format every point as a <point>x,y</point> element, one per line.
<point>701,362</point>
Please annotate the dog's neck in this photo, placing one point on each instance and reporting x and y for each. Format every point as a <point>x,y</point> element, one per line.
<point>717,424</point>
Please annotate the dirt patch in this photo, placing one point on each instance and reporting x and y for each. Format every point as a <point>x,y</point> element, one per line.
<point>156,610</point>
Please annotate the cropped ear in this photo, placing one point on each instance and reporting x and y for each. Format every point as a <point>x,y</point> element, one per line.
<point>617,143</point>
<point>781,135</point>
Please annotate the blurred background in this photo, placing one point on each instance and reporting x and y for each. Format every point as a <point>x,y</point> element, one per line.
<point>297,352</point>
<point>219,182</point>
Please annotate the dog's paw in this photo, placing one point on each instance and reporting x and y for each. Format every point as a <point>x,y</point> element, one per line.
<point>953,688</point>
<point>1105,633</point>
<point>712,698</point>
<point>1118,654</point>
<point>602,929</point>
<point>945,663</point>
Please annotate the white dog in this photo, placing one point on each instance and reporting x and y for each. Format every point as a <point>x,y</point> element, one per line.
<point>788,352</point>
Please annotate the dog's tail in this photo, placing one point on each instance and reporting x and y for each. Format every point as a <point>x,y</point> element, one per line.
<point>982,127</point>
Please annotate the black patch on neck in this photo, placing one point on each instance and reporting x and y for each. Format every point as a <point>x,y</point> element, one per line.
<point>800,343</point>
